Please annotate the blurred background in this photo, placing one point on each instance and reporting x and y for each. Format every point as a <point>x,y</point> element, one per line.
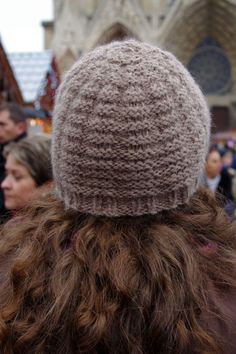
<point>40,40</point>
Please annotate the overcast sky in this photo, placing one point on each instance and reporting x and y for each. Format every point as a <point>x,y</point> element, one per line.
<point>20,24</point>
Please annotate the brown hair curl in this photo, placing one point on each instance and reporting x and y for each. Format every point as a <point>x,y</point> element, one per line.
<point>75,283</point>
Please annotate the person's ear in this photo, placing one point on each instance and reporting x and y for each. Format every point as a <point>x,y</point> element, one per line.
<point>22,127</point>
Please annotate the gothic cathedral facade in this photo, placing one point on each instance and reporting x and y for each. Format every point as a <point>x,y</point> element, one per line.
<point>201,33</point>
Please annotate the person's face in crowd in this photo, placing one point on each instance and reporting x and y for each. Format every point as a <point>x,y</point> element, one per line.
<point>213,164</point>
<point>9,130</point>
<point>18,185</point>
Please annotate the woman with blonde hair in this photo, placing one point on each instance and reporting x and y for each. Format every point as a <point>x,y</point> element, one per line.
<point>126,255</point>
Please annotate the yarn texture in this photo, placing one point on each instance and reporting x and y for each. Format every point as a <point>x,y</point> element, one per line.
<point>130,132</point>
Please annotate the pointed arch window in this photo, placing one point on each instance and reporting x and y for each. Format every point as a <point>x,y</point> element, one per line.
<point>116,32</point>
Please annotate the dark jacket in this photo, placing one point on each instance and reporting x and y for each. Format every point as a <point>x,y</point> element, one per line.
<point>225,185</point>
<point>224,191</point>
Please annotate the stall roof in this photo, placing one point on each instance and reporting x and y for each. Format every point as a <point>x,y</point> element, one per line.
<point>30,70</point>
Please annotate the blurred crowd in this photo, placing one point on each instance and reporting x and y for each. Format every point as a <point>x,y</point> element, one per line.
<point>220,174</point>
<point>25,163</point>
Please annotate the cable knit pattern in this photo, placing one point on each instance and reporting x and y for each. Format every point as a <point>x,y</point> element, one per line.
<point>131,131</point>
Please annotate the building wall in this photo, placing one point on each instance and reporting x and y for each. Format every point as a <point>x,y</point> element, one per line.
<point>180,26</point>
<point>48,34</point>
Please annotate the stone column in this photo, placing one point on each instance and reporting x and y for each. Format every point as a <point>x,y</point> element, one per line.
<point>158,11</point>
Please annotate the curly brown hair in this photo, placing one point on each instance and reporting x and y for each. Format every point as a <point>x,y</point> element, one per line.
<point>73,283</point>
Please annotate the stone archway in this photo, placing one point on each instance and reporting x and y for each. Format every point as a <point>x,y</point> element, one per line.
<point>115,32</point>
<point>196,21</point>
<point>199,20</point>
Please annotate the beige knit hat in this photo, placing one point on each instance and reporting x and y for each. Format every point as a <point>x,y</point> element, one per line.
<point>131,131</point>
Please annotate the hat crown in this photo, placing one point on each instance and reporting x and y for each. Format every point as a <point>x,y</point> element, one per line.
<point>131,132</point>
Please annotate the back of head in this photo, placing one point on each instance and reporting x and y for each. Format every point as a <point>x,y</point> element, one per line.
<point>140,126</point>
<point>118,259</point>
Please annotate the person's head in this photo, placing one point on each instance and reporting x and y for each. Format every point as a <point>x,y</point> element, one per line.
<point>133,129</point>
<point>213,164</point>
<point>28,166</point>
<point>12,122</point>
<point>117,258</point>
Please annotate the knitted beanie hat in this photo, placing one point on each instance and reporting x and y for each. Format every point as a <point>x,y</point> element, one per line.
<point>131,131</point>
